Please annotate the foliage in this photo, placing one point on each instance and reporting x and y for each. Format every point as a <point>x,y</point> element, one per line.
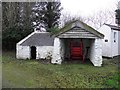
<point>38,15</point>
<point>52,14</point>
<point>96,20</point>
<point>48,14</point>
<point>12,36</point>
<point>118,16</point>
<point>53,30</point>
<point>35,74</point>
<point>16,23</point>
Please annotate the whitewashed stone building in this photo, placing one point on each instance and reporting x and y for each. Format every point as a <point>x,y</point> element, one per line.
<point>111,41</point>
<point>56,46</point>
<point>37,45</point>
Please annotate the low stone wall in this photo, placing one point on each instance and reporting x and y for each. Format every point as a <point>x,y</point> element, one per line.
<point>44,52</point>
<point>22,52</point>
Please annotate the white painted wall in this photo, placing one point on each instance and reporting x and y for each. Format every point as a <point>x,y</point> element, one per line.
<point>44,52</point>
<point>56,58</point>
<point>119,42</point>
<point>96,52</point>
<point>114,44</point>
<point>22,52</point>
<point>106,46</point>
<point>110,48</point>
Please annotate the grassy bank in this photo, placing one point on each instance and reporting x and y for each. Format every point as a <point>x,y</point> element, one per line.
<point>36,74</point>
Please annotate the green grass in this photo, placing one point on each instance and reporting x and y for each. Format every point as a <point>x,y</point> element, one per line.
<point>35,74</point>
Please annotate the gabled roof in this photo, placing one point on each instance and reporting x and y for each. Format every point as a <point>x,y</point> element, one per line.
<point>113,27</point>
<point>81,25</point>
<point>38,39</point>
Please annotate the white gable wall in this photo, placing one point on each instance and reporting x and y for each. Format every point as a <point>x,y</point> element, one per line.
<point>106,46</point>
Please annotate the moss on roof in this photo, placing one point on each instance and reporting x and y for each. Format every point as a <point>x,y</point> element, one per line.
<point>65,28</point>
<point>68,26</point>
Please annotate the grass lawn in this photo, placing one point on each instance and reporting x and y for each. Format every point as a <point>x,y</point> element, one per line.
<point>36,74</point>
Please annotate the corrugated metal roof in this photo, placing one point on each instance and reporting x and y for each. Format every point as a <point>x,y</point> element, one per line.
<point>39,39</point>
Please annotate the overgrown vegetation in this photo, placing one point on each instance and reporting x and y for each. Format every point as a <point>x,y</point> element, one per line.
<point>36,74</point>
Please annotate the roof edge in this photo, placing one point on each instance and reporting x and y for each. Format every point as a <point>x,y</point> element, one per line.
<point>67,28</point>
<point>27,37</point>
<point>113,27</point>
<point>20,42</point>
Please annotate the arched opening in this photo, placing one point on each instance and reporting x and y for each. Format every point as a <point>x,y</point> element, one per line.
<point>33,52</point>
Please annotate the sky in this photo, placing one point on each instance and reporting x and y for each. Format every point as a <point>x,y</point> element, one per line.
<point>87,7</point>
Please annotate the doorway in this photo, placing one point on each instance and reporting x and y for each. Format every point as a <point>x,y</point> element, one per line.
<point>78,53</point>
<point>33,52</point>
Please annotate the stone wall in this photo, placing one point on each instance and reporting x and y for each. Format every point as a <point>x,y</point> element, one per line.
<point>44,52</point>
<point>96,52</point>
<point>56,58</point>
<point>22,52</point>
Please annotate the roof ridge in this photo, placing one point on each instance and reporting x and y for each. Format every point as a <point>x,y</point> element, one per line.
<point>112,25</point>
<point>83,24</point>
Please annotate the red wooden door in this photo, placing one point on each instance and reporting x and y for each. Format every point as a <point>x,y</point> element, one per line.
<point>76,50</point>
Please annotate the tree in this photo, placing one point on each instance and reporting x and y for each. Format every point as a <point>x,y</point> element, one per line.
<point>16,23</point>
<point>96,20</point>
<point>101,17</point>
<point>118,16</point>
<point>38,15</point>
<point>26,14</point>
<point>10,23</point>
<point>52,14</point>
<point>10,14</point>
<point>47,14</point>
